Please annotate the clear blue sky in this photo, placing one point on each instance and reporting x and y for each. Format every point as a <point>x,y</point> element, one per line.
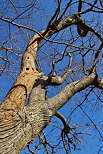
<point>91,144</point>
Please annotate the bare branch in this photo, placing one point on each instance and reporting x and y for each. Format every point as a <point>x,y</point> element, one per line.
<point>92,122</point>
<point>64,121</point>
<point>98,83</point>
<point>30,150</point>
<point>66,93</point>
<point>85,29</point>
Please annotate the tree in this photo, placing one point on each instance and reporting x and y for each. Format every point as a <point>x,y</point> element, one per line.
<point>67,50</point>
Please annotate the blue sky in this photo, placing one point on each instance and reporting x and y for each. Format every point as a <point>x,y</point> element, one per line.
<point>20,38</point>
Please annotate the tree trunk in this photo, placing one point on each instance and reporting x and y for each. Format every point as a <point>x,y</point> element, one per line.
<point>20,124</point>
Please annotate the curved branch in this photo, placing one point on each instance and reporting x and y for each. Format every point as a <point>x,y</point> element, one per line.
<point>64,121</point>
<point>29,75</point>
<point>66,93</point>
<point>84,29</point>
<point>16,97</point>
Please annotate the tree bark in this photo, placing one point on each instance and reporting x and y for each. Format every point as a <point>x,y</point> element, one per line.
<point>20,124</point>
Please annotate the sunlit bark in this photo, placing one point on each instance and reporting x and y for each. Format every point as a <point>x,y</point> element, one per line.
<point>18,124</point>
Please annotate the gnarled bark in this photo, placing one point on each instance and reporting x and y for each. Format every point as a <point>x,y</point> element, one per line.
<point>20,124</point>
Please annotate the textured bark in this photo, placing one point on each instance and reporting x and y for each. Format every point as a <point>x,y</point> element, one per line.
<point>20,124</point>
<point>67,92</point>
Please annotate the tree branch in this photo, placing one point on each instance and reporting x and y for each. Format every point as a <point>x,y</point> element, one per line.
<point>98,83</point>
<point>66,93</point>
<point>28,74</point>
<point>64,121</point>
